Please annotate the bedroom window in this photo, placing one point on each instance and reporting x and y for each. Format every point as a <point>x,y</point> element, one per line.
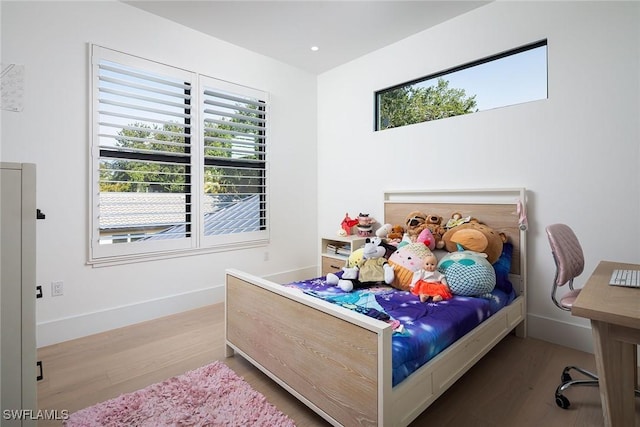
<point>178,161</point>
<point>508,78</point>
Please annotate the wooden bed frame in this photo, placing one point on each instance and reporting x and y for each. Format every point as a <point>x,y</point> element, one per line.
<point>338,362</point>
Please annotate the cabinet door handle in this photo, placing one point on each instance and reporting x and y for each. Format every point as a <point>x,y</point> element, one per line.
<point>335,267</point>
<point>40,376</point>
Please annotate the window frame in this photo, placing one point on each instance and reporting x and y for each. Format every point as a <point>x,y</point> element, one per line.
<point>196,242</point>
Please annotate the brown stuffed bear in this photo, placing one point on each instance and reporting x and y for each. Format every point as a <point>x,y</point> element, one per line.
<point>396,233</point>
<point>477,237</point>
<point>434,224</point>
<point>415,222</point>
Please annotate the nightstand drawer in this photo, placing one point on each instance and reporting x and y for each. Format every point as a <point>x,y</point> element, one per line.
<point>331,265</point>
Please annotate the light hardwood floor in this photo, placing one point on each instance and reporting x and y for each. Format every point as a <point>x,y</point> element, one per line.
<point>513,385</point>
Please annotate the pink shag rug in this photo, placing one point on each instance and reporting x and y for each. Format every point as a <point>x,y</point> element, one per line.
<point>209,396</point>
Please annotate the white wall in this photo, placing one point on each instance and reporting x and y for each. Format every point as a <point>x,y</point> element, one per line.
<point>576,152</point>
<point>50,39</point>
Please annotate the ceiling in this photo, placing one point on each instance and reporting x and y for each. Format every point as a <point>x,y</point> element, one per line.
<point>286,30</point>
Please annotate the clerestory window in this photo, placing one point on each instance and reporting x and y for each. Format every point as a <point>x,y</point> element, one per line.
<point>513,77</point>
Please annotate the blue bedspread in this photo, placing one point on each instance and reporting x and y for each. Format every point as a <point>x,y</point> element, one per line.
<point>421,330</point>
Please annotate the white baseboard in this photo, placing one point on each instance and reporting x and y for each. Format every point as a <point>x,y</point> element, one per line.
<point>556,331</point>
<point>68,328</point>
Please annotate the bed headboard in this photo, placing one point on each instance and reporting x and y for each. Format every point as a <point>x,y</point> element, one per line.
<point>501,209</point>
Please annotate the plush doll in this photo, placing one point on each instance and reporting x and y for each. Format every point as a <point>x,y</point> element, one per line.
<point>428,282</point>
<point>365,225</point>
<point>468,273</point>
<point>415,222</point>
<point>371,270</point>
<point>456,220</point>
<point>477,237</point>
<point>405,261</point>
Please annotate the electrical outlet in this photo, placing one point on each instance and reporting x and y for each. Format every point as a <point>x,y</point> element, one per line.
<point>57,288</point>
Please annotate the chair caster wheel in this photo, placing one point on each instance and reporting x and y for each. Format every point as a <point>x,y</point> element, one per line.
<point>562,401</point>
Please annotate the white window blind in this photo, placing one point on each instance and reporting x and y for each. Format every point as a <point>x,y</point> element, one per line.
<point>171,172</point>
<point>234,126</point>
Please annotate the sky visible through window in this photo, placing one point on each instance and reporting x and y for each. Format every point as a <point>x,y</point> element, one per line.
<point>506,81</point>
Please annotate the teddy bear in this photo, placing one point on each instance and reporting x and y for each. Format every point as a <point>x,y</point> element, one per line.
<point>415,222</point>
<point>396,233</point>
<point>372,269</point>
<point>391,233</point>
<point>475,236</point>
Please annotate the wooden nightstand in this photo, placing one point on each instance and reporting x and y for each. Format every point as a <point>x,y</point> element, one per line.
<point>334,252</point>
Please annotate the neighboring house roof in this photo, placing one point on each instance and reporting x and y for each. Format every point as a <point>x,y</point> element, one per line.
<point>239,217</point>
<point>131,211</point>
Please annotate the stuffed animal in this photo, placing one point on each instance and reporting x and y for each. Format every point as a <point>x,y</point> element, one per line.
<point>456,220</point>
<point>477,237</point>
<point>372,269</point>
<point>405,261</point>
<point>391,233</point>
<point>383,231</point>
<point>427,238</point>
<point>347,223</point>
<point>434,224</point>
<point>415,222</point>
<point>396,233</point>
<point>468,273</point>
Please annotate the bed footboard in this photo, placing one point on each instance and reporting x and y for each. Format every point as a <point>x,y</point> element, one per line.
<point>319,352</point>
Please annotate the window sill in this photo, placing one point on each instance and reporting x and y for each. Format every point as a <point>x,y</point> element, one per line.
<point>150,257</point>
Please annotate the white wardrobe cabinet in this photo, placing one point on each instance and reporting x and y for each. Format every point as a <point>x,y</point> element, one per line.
<point>18,391</point>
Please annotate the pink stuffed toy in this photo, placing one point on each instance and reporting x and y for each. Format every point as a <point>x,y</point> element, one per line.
<point>426,237</point>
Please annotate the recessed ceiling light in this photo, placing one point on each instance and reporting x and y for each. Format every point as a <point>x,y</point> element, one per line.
<point>315,48</point>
